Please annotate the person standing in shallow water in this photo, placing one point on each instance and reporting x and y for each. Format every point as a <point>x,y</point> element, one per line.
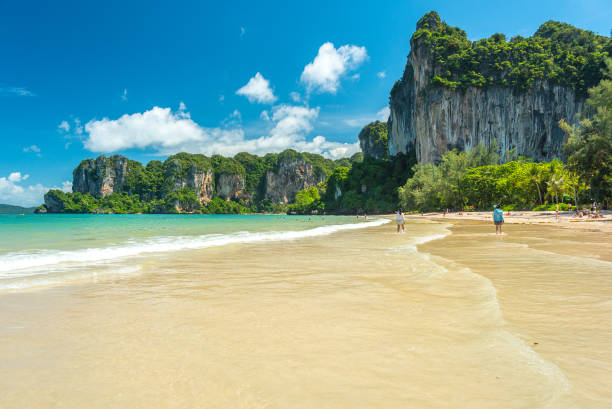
<point>399,219</point>
<point>498,219</point>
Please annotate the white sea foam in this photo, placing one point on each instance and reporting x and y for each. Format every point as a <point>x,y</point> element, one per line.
<point>15,265</point>
<point>17,283</point>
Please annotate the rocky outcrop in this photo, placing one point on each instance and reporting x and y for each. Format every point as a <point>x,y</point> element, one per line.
<point>53,204</point>
<point>373,140</point>
<point>231,187</point>
<point>292,175</point>
<point>434,119</point>
<point>101,176</point>
<point>197,179</point>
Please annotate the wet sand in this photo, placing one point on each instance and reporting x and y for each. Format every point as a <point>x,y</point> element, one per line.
<point>356,319</point>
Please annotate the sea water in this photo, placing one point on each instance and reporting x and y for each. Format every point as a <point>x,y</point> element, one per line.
<point>38,250</point>
<point>329,313</point>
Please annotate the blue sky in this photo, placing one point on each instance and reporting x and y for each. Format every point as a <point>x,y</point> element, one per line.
<point>146,79</point>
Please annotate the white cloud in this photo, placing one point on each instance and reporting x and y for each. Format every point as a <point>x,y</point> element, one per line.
<point>381,74</point>
<point>295,96</point>
<point>16,177</point>
<point>124,95</point>
<point>78,128</point>
<point>221,98</point>
<point>19,91</point>
<point>323,74</point>
<point>182,106</point>
<point>360,121</point>
<point>383,114</point>
<point>13,192</point>
<point>168,132</point>
<point>32,148</point>
<point>242,32</point>
<point>258,90</point>
<point>264,115</point>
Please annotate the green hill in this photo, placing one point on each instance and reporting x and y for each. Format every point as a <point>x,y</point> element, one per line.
<point>10,209</point>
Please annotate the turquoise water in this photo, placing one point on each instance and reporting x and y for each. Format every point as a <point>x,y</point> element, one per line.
<point>50,249</point>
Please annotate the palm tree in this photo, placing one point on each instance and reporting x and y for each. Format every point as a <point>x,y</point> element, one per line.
<point>534,176</point>
<point>556,186</point>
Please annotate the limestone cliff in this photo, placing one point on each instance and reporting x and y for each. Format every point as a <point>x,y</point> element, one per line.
<point>373,140</point>
<point>101,176</point>
<point>291,175</point>
<point>433,119</point>
<point>197,178</point>
<point>231,187</point>
<point>191,183</point>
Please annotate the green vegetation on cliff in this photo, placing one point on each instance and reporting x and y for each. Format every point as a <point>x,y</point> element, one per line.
<point>183,183</point>
<point>557,52</point>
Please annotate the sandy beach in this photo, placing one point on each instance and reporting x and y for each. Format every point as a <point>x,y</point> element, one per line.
<point>446,315</point>
<point>566,219</point>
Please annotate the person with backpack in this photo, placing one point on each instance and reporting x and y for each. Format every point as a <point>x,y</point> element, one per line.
<point>498,219</point>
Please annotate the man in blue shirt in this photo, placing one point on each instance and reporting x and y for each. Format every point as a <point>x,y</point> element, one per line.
<point>498,219</point>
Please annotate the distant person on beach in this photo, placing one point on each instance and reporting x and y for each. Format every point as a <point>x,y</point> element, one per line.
<point>399,219</point>
<point>498,219</point>
<point>557,213</point>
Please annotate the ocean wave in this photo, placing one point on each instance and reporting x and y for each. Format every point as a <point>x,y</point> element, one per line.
<point>26,264</point>
<point>17,283</point>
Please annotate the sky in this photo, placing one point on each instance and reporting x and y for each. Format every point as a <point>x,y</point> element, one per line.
<point>147,79</point>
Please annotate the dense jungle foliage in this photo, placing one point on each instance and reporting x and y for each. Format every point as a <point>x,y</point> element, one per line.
<point>370,186</point>
<point>557,52</point>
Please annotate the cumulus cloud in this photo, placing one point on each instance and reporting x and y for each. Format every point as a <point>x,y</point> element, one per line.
<point>14,192</point>
<point>323,74</point>
<point>168,132</point>
<point>381,74</point>
<point>64,126</point>
<point>258,90</point>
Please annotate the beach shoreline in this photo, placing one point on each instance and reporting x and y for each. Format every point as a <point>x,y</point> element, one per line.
<point>545,218</point>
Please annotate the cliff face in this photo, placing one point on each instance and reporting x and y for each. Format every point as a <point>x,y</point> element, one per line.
<point>101,176</point>
<point>434,119</point>
<point>191,183</point>
<point>231,187</point>
<point>373,140</point>
<point>291,176</point>
<point>198,180</point>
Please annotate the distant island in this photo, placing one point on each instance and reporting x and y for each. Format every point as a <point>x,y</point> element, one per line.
<point>10,209</point>
<point>521,123</point>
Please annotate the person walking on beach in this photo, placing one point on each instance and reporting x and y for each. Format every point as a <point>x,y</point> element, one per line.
<point>498,219</point>
<point>399,219</point>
